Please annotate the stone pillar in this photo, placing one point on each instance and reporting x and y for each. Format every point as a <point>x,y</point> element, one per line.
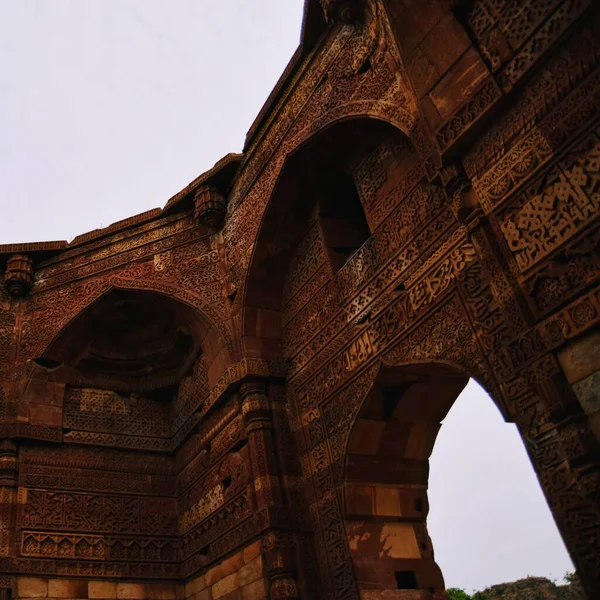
<point>564,450</point>
<point>257,414</point>
<point>279,552</point>
<point>278,547</point>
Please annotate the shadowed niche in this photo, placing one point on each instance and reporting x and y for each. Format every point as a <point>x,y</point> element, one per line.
<point>129,341</point>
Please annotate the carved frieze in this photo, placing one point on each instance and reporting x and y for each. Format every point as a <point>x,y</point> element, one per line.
<point>557,207</point>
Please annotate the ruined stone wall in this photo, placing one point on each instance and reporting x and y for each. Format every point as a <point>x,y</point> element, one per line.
<point>285,452</point>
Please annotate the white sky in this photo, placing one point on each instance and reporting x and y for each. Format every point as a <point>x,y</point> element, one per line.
<point>109,107</point>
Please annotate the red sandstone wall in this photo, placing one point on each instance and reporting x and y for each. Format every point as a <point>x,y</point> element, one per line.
<point>290,459</point>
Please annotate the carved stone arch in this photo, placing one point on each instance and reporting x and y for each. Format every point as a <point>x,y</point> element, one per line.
<point>367,446</point>
<point>438,354</point>
<point>214,341</point>
<point>396,116</point>
<point>385,475</point>
<point>276,239</point>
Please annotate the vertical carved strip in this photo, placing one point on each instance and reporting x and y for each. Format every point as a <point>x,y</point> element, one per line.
<point>8,488</point>
<point>257,414</point>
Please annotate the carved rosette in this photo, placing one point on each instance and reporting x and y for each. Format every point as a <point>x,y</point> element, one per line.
<point>209,206</point>
<point>284,588</point>
<point>463,200</point>
<point>19,275</point>
<point>344,11</point>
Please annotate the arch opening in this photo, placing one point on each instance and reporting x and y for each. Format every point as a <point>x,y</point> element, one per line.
<point>387,476</point>
<point>489,519</point>
<point>341,217</point>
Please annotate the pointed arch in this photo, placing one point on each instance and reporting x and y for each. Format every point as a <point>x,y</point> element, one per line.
<point>320,162</point>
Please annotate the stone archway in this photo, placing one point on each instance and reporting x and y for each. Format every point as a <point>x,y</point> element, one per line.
<point>386,473</point>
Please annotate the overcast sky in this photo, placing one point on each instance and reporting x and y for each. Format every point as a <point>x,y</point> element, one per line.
<point>109,107</point>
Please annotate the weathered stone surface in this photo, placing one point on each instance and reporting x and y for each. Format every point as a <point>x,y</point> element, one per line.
<point>32,587</point>
<point>67,588</point>
<point>250,572</point>
<point>227,567</point>
<point>195,585</point>
<point>254,591</point>
<point>106,590</point>
<point>251,552</point>
<point>161,591</point>
<point>459,83</point>
<point>227,388</point>
<point>225,586</point>
<point>131,591</point>
<point>581,358</point>
<point>588,392</point>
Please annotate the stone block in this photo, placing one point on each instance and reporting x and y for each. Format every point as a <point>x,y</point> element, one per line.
<point>195,585</point>
<point>413,503</point>
<point>587,391</point>
<point>374,572</point>
<point>107,590</point>
<point>412,20</point>
<point>131,591</point>
<point>363,537</point>
<point>445,43</point>
<point>67,588</point>
<point>225,586</point>
<point>387,501</point>
<point>205,594</point>
<point>365,436</point>
<point>251,552</point>
<point>255,591</point>
<point>458,85</point>
<point>250,572</point>
<point>421,439</point>
<point>359,500</point>
<point>394,438</point>
<point>235,595</point>
<point>581,358</point>
<point>398,540</point>
<point>161,591</point>
<point>227,567</point>
<point>423,74</point>
<point>32,587</point>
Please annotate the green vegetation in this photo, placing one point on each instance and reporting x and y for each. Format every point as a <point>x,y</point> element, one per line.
<point>456,594</point>
<point>529,588</point>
